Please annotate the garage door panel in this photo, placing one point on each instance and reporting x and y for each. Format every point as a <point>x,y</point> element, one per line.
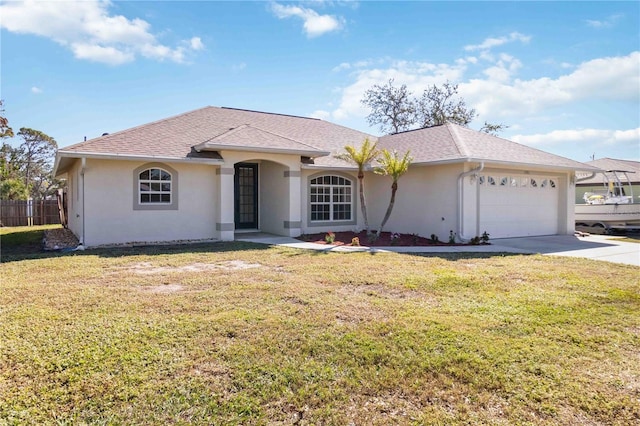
<point>523,207</point>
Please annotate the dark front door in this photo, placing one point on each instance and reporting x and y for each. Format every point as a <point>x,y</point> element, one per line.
<point>246,196</point>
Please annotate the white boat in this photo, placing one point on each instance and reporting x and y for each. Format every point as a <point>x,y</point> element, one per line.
<point>611,208</point>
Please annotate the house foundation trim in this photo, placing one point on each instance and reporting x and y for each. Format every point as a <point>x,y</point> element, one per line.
<point>225,226</point>
<point>292,224</point>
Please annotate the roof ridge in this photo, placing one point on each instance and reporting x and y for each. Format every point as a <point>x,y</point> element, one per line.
<point>457,140</point>
<point>271,113</point>
<point>173,117</point>
<point>246,125</point>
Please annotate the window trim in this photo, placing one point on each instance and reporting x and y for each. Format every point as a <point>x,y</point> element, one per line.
<point>354,200</point>
<point>137,205</point>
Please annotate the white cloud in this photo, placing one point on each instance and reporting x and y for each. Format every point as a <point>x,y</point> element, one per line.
<point>36,90</point>
<point>601,136</point>
<point>606,23</point>
<point>89,30</point>
<point>493,42</point>
<point>314,24</point>
<point>416,75</point>
<point>321,114</point>
<point>196,43</point>
<point>615,78</point>
<point>498,94</point>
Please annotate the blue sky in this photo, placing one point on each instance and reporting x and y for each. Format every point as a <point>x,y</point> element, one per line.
<point>565,76</point>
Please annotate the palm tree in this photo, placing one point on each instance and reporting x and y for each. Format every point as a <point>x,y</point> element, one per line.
<point>361,157</point>
<point>390,164</point>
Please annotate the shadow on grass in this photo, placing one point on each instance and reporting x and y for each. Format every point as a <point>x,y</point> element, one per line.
<point>29,252</point>
<point>27,245</point>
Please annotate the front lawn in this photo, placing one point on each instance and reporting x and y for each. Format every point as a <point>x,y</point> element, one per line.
<point>237,333</point>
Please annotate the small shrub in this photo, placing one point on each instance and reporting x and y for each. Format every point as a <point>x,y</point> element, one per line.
<point>330,237</point>
<point>415,239</point>
<point>475,241</point>
<point>485,237</point>
<point>452,237</point>
<point>355,241</point>
<point>434,238</point>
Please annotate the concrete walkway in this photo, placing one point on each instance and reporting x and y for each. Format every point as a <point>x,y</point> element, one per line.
<point>597,247</point>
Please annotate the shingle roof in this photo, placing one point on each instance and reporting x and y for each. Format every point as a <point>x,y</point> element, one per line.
<point>633,167</point>
<point>193,134</point>
<point>247,137</point>
<point>453,143</point>
<point>174,137</point>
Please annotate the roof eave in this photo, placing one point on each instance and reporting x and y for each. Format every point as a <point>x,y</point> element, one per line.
<point>60,167</point>
<point>219,147</point>
<point>582,167</point>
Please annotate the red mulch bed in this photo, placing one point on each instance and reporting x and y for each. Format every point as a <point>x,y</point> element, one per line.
<point>345,238</point>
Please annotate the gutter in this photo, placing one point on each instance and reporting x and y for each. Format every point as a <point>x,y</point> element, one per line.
<point>461,200</point>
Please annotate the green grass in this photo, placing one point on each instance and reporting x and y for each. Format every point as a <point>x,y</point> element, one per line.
<point>236,333</point>
<point>22,239</point>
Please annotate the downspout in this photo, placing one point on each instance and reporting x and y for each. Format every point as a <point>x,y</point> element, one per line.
<point>461,200</point>
<point>82,170</point>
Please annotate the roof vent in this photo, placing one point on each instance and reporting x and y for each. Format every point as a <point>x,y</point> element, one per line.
<point>105,134</point>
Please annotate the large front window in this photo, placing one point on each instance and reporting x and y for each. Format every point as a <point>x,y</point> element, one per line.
<point>154,186</point>
<point>331,199</point>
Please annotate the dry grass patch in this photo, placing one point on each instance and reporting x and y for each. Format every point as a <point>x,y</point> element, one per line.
<point>316,338</point>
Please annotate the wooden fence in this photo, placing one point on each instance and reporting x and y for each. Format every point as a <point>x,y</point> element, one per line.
<point>29,212</point>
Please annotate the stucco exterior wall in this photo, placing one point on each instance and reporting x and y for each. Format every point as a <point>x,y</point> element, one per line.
<point>74,199</point>
<point>273,197</point>
<point>110,217</point>
<point>425,201</point>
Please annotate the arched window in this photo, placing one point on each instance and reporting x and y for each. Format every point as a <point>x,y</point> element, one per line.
<point>331,199</point>
<point>154,186</point>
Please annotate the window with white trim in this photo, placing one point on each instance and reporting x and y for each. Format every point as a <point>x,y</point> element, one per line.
<point>331,199</point>
<point>154,186</point>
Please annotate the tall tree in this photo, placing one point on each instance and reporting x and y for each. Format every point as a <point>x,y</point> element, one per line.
<point>396,109</point>
<point>36,155</point>
<point>437,105</point>
<point>361,157</point>
<point>390,164</point>
<point>5,130</point>
<point>393,108</point>
<point>12,186</point>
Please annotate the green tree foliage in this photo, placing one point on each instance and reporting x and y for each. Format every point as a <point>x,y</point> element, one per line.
<point>393,108</point>
<point>390,164</point>
<point>396,109</point>
<point>26,171</point>
<point>437,105</point>
<point>5,130</point>
<point>37,152</point>
<point>361,157</point>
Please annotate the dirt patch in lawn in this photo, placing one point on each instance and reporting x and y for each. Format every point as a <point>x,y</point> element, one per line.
<point>147,268</point>
<point>163,289</point>
<point>384,240</point>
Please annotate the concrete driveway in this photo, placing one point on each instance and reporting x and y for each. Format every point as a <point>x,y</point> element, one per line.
<point>597,247</point>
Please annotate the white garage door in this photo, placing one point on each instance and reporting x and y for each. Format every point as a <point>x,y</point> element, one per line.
<point>518,206</point>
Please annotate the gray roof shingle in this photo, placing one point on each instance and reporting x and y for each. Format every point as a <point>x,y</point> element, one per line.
<point>453,143</point>
<point>218,128</point>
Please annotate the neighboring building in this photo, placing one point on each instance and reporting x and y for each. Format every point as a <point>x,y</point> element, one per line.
<point>212,172</point>
<point>587,182</point>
